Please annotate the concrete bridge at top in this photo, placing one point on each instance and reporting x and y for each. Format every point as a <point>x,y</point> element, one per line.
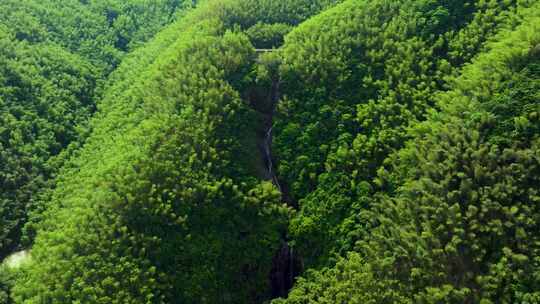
<point>265,50</point>
<point>259,51</point>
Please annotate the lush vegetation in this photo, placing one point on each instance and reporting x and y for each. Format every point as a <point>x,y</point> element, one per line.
<point>386,151</point>
<point>354,92</point>
<point>456,218</point>
<point>54,59</point>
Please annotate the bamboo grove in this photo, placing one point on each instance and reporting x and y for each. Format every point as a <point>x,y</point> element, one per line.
<point>280,152</point>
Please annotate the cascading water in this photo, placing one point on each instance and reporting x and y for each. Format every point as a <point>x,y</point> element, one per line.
<point>283,270</point>
<point>285,264</point>
<point>268,157</point>
<point>16,259</point>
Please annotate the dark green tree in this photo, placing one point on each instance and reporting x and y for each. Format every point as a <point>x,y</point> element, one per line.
<point>462,225</point>
<point>355,79</point>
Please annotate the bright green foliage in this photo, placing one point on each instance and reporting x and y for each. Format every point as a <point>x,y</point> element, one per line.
<point>45,94</point>
<point>162,205</point>
<point>406,133</point>
<point>98,30</point>
<point>462,227</point>
<point>267,36</point>
<point>181,228</point>
<point>247,13</point>
<point>54,56</point>
<point>52,59</point>
<point>356,78</point>
<point>134,22</point>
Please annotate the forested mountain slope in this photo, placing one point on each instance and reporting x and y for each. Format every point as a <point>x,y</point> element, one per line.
<point>355,79</point>
<point>165,191</point>
<point>55,56</point>
<point>54,59</point>
<point>311,151</point>
<point>101,31</point>
<point>456,219</point>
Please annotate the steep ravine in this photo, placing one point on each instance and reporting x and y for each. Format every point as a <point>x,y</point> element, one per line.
<point>264,98</point>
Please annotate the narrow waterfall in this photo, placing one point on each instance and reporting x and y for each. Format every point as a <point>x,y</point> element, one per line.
<point>268,157</point>
<point>285,268</point>
<point>286,265</point>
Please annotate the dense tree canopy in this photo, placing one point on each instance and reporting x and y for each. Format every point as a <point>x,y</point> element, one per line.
<point>353,90</point>
<point>257,151</point>
<point>101,31</point>
<point>168,173</point>
<point>45,94</point>
<point>462,227</point>
<point>54,58</point>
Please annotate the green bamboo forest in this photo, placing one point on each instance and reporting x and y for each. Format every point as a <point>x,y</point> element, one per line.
<point>269,151</point>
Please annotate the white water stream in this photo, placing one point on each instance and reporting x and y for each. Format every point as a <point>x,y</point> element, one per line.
<point>17,259</point>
